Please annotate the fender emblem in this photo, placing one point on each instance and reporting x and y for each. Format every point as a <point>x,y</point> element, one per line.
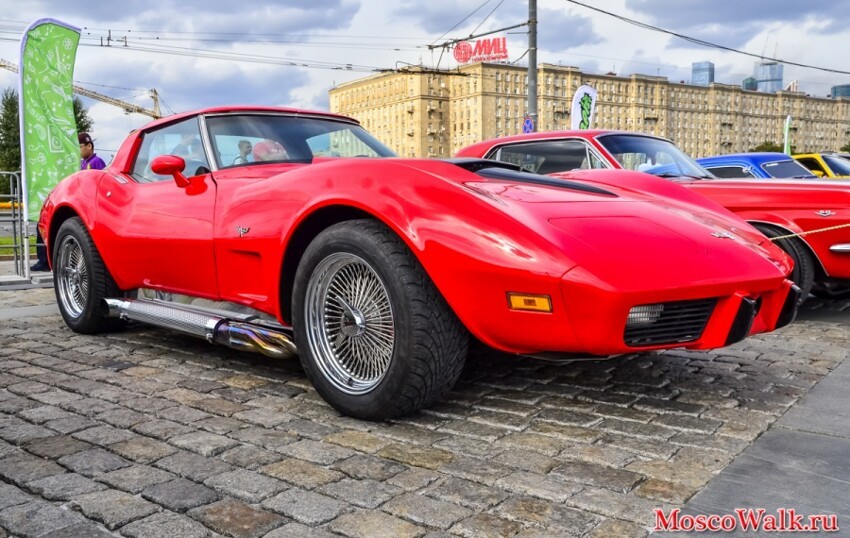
<point>825,213</point>
<point>722,235</point>
<point>242,230</point>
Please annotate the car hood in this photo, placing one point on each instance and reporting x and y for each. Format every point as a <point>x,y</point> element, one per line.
<point>628,238</point>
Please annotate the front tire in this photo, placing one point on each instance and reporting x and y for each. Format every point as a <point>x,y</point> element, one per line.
<point>81,280</point>
<point>803,274</point>
<point>374,335</point>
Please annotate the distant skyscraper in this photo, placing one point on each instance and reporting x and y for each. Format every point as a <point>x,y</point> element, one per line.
<point>749,83</point>
<point>702,73</point>
<point>768,76</point>
<point>842,90</point>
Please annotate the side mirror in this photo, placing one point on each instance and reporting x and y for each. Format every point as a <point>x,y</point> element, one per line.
<point>171,165</point>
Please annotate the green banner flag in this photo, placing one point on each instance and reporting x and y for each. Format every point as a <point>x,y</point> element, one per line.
<point>49,148</point>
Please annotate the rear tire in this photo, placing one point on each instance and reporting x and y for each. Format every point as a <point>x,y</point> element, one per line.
<point>803,274</point>
<point>81,280</point>
<point>374,335</point>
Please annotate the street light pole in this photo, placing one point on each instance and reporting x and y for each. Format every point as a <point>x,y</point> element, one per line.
<point>532,62</point>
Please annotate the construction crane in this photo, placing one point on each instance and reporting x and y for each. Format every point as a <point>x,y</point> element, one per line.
<point>127,107</point>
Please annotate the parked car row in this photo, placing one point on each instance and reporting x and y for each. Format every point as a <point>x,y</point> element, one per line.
<point>379,272</point>
<point>770,165</point>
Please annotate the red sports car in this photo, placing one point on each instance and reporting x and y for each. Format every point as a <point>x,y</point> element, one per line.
<point>376,270</point>
<point>810,220</point>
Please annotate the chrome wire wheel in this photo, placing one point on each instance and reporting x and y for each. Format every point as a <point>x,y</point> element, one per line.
<point>350,326</point>
<point>72,276</point>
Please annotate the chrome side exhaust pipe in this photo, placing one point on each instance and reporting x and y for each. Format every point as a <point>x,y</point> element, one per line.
<point>241,334</point>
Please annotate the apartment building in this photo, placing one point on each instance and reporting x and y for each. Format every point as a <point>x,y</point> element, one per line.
<point>421,112</point>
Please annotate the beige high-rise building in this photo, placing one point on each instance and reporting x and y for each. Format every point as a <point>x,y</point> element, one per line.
<point>421,112</point>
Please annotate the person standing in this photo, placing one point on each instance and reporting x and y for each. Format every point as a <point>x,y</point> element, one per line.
<point>88,161</point>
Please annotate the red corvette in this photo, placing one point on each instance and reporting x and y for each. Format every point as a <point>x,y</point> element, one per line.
<point>809,220</point>
<point>377,270</point>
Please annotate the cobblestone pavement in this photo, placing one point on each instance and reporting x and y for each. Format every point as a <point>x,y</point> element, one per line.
<point>147,433</point>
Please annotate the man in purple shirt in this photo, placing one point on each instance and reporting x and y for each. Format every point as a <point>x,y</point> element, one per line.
<point>89,161</point>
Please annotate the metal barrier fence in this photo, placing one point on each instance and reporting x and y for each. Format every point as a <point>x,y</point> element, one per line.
<point>13,225</point>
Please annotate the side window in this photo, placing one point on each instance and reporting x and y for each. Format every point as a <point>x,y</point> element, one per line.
<point>549,157</point>
<point>812,164</point>
<point>182,139</point>
<point>730,172</point>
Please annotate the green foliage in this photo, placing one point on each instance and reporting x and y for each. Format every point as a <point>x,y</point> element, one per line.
<point>845,148</point>
<point>10,133</point>
<point>767,146</point>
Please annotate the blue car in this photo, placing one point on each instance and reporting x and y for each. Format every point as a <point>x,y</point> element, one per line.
<point>756,165</point>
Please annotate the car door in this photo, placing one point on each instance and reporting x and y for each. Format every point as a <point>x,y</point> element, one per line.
<point>158,234</point>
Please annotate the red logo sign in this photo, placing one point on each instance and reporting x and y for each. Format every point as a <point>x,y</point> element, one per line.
<point>485,50</point>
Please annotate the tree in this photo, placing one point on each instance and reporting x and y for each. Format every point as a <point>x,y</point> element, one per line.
<point>845,148</point>
<point>10,133</point>
<point>768,146</point>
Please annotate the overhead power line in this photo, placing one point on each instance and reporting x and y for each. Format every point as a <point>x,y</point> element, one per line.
<point>703,42</point>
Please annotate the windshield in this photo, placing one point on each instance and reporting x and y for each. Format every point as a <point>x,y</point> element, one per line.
<point>240,139</point>
<point>651,155</point>
<point>786,169</point>
<point>839,166</point>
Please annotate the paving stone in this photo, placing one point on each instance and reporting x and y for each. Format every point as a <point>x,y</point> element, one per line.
<point>249,456</point>
<point>247,485</point>
<point>180,494</point>
<point>23,433</point>
<point>203,443</point>
<point>409,434</point>
<point>526,461</point>
<point>486,525</point>
<point>426,511</point>
<point>297,530</point>
<point>537,485</point>
<point>466,493</point>
<point>555,518</point>
<point>236,519</point>
<point>305,506</point>
<point>486,431</point>
<point>36,518</point>
<point>56,447</point>
<point>619,528</point>
<point>79,530</point>
<point>316,451</point>
<point>369,467</point>
<point>429,458</point>
<point>122,418</point>
<point>166,524</point>
<point>135,478</point>
<point>148,405</point>
<point>267,418</point>
<point>93,462</point>
<point>268,439</point>
<point>24,468</point>
<point>413,479</point>
<point>103,435</point>
<point>219,406</point>
<point>192,466</point>
<point>482,471</point>
<point>362,493</point>
<point>182,414</point>
<point>7,450</point>
<point>301,473</point>
<point>64,487</point>
<point>367,524</point>
<point>666,491</point>
<point>161,429</point>
<point>70,425</point>
<point>308,429</point>
<point>113,508</point>
<point>220,425</point>
<point>567,417</point>
<point>56,397</point>
<point>470,447</point>
<point>89,406</point>
<point>12,496</point>
<point>142,449</point>
<point>597,475</point>
<point>713,442</point>
<point>44,413</point>
<point>669,406</point>
<point>650,448</point>
<point>617,505</point>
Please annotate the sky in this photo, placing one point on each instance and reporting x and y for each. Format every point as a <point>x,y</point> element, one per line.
<point>198,53</point>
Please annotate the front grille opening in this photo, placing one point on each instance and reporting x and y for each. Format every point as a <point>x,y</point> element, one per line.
<point>667,323</point>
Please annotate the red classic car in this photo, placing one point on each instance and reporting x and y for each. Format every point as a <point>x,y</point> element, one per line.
<point>376,270</point>
<point>810,220</point>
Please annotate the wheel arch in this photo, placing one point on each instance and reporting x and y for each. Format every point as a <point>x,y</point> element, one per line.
<point>307,230</point>
<point>820,272</point>
<point>60,215</point>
